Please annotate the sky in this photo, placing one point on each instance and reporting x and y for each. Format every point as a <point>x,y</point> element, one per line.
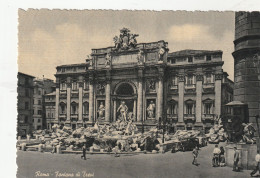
<point>48,38</point>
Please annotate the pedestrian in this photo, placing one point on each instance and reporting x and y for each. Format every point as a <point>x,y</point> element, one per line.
<point>215,160</point>
<point>257,167</point>
<point>83,152</point>
<point>195,154</point>
<point>53,149</point>
<point>222,161</point>
<point>236,160</point>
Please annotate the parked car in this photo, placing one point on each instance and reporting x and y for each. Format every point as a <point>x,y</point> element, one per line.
<point>214,138</point>
<point>188,144</point>
<point>177,146</point>
<point>202,141</point>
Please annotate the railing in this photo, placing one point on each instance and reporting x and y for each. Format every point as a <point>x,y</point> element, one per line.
<point>173,87</point>
<point>208,85</point>
<point>208,117</point>
<point>62,115</point>
<point>172,117</point>
<point>189,117</point>
<point>75,91</point>
<point>190,86</point>
<point>63,91</point>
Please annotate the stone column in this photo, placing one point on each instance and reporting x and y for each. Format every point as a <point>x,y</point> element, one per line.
<point>199,79</point>
<point>91,99</point>
<point>80,110</point>
<point>68,98</point>
<point>108,96</point>
<point>160,94</point>
<point>218,82</point>
<point>114,113</point>
<point>57,101</point>
<point>140,96</point>
<point>134,110</point>
<point>181,98</point>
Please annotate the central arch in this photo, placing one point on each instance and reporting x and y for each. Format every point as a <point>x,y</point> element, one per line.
<point>125,91</point>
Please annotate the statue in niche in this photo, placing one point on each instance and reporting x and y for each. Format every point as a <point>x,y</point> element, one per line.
<point>151,110</point>
<point>108,59</point>
<point>140,56</point>
<point>123,109</point>
<point>101,110</point>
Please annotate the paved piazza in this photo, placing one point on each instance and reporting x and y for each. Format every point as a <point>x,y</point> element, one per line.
<point>143,165</point>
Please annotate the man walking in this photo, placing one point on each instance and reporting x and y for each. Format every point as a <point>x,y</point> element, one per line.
<point>236,160</point>
<point>215,160</point>
<point>195,154</point>
<point>257,159</point>
<point>83,152</point>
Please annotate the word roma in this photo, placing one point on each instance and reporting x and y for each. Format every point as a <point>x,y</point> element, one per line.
<point>63,174</point>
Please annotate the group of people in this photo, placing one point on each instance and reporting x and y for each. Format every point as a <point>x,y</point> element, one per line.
<point>218,157</point>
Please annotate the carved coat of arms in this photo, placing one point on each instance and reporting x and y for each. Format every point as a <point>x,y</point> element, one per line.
<point>125,40</point>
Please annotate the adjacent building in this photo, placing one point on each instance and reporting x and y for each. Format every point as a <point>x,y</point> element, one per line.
<point>40,88</point>
<point>144,82</point>
<point>25,104</point>
<point>50,109</point>
<point>247,61</point>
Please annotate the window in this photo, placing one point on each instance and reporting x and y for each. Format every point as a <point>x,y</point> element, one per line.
<point>33,120</point>
<point>26,81</point>
<point>190,59</point>
<point>173,61</point>
<point>48,115</point>
<point>86,85</point>
<point>74,86</point>
<point>33,111</point>
<point>63,86</point>
<point>39,112</point>
<point>62,107</point>
<point>189,80</point>
<point>189,108</point>
<point>39,102</point>
<point>174,81</point>
<point>25,119</point>
<point>73,108</point>
<point>208,58</point>
<point>39,92</point>
<point>26,105</point>
<point>172,108</point>
<point>39,120</point>
<point>63,70</point>
<point>27,92</point>
<point>208,78</point>
<point>85,108</point>
<point>208,108</point>
<point>51,115</point>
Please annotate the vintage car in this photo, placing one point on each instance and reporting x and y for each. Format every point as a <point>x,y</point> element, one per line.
<point>214,138</point>
<point>202,141</point>
<point>177,146</point>
<point>188,144</point>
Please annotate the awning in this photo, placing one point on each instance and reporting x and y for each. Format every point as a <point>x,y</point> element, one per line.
<point>236,103</point>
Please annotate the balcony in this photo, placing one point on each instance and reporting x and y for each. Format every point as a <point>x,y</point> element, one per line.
<point>74,117</point>
<point>75,91</point>
<point>190,88</point>
<point>173,88</point>
<point>62,115</point>
<point>208,87</point>
<point>189,117</point>
<point>63,91</point>
<point>172,118</point>
<point>208,117</point>
<point>86,117</point>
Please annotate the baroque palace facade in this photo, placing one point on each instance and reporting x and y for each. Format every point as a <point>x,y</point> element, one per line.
<point>144,82</point>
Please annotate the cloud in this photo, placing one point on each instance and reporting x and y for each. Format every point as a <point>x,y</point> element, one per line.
<point>189,32</point>
<point>199,37</point>
<point>42,51</point>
